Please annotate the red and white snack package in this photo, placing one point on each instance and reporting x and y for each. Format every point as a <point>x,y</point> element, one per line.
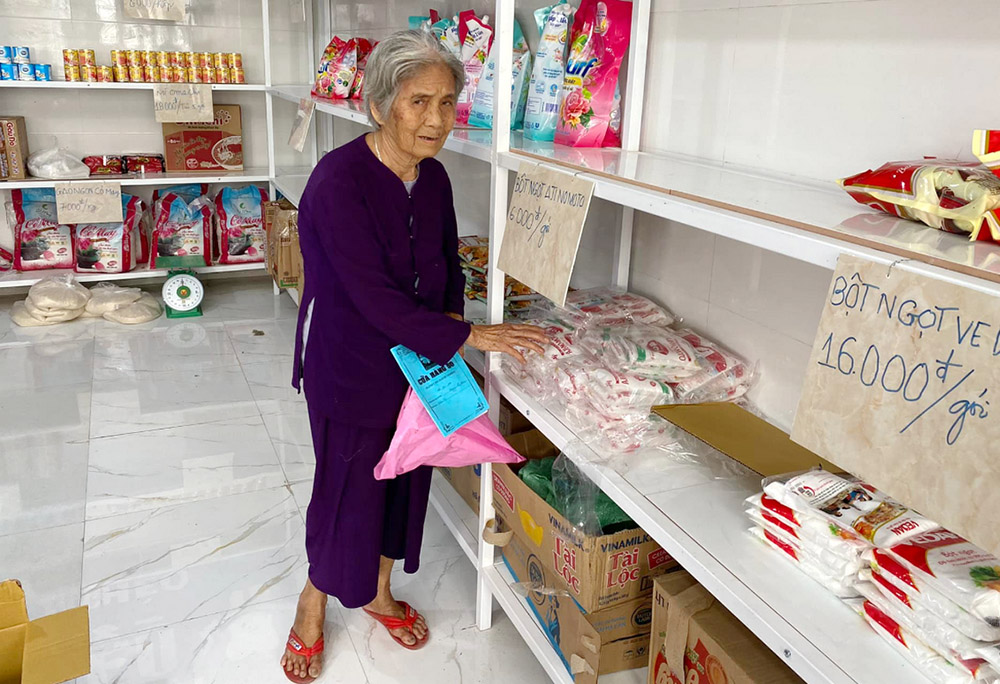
<point>921,593</point>
<point>40,241</point>
<point>926,624</point>
<point>840,566</point>
<point>611,307</point>
<point>240,224</point>
<point>842,587</point>
<point>105,165</point>
<point>855,507</point>
<point>643,349</point>
<point>965,573</point>
<point>808,529</point>
<point>723,376</point>
<point>624,394</point>
<point>935,667</point>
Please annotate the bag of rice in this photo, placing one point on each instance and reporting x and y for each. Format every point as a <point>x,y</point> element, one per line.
<point>51,315</point>
<point>19,314</point>
<point>182,233</point>
<point>106,247</point>
<point>240,224</point>
<point>40,241</point>
<point>105,297</point>
<point>143,310</point>
<point>59,293</point>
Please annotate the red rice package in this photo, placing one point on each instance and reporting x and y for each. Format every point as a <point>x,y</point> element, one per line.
<point>189,192</point>
<point>105,165</point>
<point>6,260</point>
<point>337,69</point>
<point>109,247</point>
<point>240,224</point>
<point>364,50</point>
<point>40,241</point>
<point>590,105</point>
<point>182,233</point>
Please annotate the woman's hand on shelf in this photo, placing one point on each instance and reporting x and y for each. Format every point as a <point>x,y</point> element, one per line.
<point>508,338</point>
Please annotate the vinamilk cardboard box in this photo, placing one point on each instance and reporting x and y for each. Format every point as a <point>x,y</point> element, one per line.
<point>211,146</point>
<point>598,572</point>
<point>590,644</point>
<point>15,146</point>
<point>695,640</point>
<point>282,254</point>
<point>44,651</point>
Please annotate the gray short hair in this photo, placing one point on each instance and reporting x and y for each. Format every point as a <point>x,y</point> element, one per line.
<point>397,59</point>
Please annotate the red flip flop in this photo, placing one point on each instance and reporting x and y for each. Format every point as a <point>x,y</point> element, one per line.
<point>298,647</point>
<point>407,623</point>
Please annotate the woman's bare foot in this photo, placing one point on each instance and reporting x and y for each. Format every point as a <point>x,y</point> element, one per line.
<point>385,604</point>
<point>309,618</point>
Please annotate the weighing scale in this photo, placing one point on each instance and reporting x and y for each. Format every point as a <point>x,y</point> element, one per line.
<point>183,294</point>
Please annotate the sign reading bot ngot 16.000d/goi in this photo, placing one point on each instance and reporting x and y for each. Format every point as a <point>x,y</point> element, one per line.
<point>544,224</point>
<point>903,389</point>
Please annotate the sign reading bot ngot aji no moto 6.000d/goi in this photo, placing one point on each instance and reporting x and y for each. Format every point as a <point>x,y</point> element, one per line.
<point>903,389</point>
<point>544,223</point>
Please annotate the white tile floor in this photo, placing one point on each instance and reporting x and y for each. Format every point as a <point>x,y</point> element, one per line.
<point>160,474</point>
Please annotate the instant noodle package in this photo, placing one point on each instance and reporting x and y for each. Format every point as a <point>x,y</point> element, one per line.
<point>240,224</point>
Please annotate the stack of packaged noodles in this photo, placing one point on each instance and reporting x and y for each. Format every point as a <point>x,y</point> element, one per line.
<point>613,355</point>
<point>932,595</point>
<point>474,253</point>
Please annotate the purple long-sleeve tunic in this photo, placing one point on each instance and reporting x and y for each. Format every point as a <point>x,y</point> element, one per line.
<point>382,268</point>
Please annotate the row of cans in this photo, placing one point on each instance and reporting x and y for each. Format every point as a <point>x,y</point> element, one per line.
<point>25,72</point>
<point>13,54</point>
<point>157,58</point>
<point>154,74</point>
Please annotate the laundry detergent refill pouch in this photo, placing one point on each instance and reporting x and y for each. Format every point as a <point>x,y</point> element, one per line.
<point>337,69</point>
<point>482,106</point>
<point>476,37</point>
<point>589,105</point>
<point>182,234</point>
<point>541,109</point>
<point>240,224</point>
<point>40,241</point>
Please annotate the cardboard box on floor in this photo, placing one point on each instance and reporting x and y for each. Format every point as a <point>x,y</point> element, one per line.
<point>44,651</point>
<point>693,631</point>
<point>283,253</point>
<point>590,644</point>
<point>598,572</point>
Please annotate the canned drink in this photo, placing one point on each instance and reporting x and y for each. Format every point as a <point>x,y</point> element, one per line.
<point>6,54</point>
<point>88,73</point>
<point>71,72</point>
<point>162,58</point>
<point>119,58</point>
<point>179,74</point>
<point>239,76</point>
<point>209,75</point>
<point>22,55</point>
<point>188,60</point>
<point>194,75</point>
<point>120,73</point>
<point>147,57</point>
<point>88,58</point>
<point>152,74</point>
<point>235,60</point>
<point>25,72</point>
<point>133,58</point>
<point>105,74</point>
<point>175,59</point>
<point>71,58</point>
<point>219,60</point>
<point>43,72</point>
<point>136,74</point>
<point>8,72</point>
<point>224,75</point>
<point>205,60</point>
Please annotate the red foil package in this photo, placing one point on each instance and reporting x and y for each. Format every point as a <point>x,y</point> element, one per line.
<point>144,163</point>
<point>105,165</point>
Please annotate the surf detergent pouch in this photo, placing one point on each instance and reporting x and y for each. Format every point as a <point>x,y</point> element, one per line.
<point>481,115</point>
<point>541,109</point>
<point>589,105</point>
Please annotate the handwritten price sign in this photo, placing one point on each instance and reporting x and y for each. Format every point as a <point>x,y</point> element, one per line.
<point>544,223</point>
<point>99,202</point>
<point>183,103</point>
<point>903,389</point>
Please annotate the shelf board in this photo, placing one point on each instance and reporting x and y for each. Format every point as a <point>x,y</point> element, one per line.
<point>95,85</point>
<point>249,175</point>
<point>457,516</point>
<point>807,220</point>
<point>292,182</point>
<point>698,518</point>
<point>26,279</point>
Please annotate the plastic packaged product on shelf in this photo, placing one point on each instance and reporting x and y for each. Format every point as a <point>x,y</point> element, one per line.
<point>240,224</point>
<point>446,31</point>
<point>807,528</point>
<point>838,586</point>
<point>358,87</point>
<point>337,69</point>
<point>40,241</point>
<point>182,232</point>
<point>56,163</point>
<point>142,164</point>
<point>541,111</point>
<point>188,192</point>
<point>644,349</point>
<point>853,506</point>
<point>481,114</point>
<point>837,565</point>
<point>723,376</point>
<point>476,37</point>
<point>105,165</point>
<point>924,658</point>
<point>110,247</point>
<point>957,568</point>
<point>919,592</point>
<point>589,106</point>
<point>612,306</point>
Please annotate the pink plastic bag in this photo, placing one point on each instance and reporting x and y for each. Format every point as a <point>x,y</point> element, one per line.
<point>418,442</point>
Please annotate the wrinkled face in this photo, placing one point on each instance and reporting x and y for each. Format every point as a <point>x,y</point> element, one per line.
<point>423,114</point>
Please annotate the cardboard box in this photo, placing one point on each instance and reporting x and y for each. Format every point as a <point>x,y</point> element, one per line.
<point>15,137</point>
<point>590,644</point>
<point>45,651</point>
<point>300,267</point>
<point>3,159</point>
<point>214,146</point>
<point>599,572</point>
<point>281,221</point>
<point>691,627</point>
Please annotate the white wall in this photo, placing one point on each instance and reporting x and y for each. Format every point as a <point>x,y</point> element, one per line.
<point>818,88</point>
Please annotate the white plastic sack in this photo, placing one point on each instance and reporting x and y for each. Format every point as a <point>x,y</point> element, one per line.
<point>59,292</point>
<point>143,310</point>
<point>105,297</point>
<point>56,163</point>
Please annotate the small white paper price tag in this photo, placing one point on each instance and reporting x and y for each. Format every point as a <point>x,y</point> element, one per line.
<point>165,10</point>
<point>98,202</point>
<point>183,103</point>
<point>300,127</point>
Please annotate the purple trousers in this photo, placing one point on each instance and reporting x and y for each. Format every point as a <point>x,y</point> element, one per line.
<point>354,519</point>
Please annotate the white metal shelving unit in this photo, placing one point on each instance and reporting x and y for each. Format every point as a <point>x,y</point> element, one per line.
<point>95,85</point>
<point>702,526</point>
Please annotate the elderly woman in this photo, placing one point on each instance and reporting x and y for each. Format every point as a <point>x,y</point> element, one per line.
<point>380,244</point>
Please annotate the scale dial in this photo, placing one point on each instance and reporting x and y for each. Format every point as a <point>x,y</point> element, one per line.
<point>183,292</point>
